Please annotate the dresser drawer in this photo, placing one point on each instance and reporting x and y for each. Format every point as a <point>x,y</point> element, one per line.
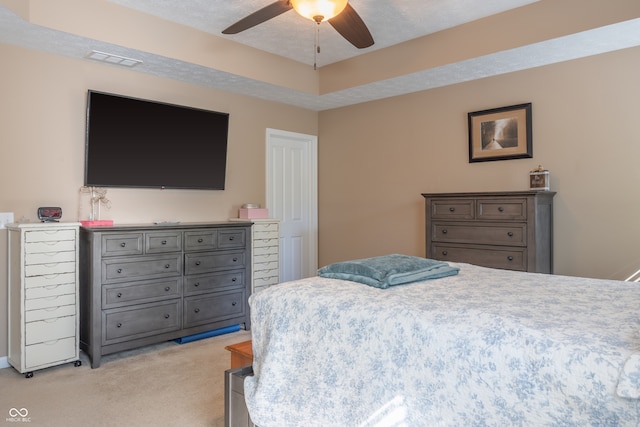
<point>122,244</point>
<point>259,287</point>
<point>120,269</point>
<point>49,235</point>
<point>266,273</point>
<point>49,302</point>
<point>267,234</point>
<point>49,280</point>
<point>49,291</point>
<point>212,261</point>
<point>51,312</point>
<point>266,226</point>
<point>213,282</point>
<point>266,266</point>
<point>200,240</point>
<point>486,256</point>
<point>51,351</point>
<point>266,244</point>
<point>453,209</point>
<point>267,257</point>
<point>50,246</point>
<point>501,210</point>
<point>231,238</point>
<point>49,257</point>
<point>121,294</point>
<point>50,329</point>
<point>261,282</point>
<point>123,324</point>
<point>214,308</point>
<point>492,234</point>
<point>49,269</point>
<point>161,242</point>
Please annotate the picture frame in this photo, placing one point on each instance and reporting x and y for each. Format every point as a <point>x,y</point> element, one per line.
<point>500,133</point>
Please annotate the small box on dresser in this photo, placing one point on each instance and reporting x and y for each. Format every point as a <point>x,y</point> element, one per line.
<point>43,303</point>
<point>510,230</point>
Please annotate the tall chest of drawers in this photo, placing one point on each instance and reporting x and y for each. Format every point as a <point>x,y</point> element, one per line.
<point>509,230</point>
<point>265,253</point>
<point>43,303</point>
<point>144,284</point>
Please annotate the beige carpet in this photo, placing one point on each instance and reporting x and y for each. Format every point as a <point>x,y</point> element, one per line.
<point>163,385</point>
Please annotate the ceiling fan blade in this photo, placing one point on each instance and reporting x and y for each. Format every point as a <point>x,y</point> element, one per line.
<point>350,26</point>
<point>264,14</point>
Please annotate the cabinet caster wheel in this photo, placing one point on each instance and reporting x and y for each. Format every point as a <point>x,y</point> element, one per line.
<point>77,363</point>
<point>28,375</point>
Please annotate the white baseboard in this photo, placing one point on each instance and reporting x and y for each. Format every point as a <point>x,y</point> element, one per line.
<point>4,362</point>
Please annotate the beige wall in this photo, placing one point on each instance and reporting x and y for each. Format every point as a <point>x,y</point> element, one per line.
<point>377,158</point>
<point>374,159</point>
<point>42,131</point>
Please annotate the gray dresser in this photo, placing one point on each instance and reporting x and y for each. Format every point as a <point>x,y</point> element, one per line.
<point>144,284</point>
<point>509,230</point>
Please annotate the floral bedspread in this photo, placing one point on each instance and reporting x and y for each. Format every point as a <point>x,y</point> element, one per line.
<point>483,348</point>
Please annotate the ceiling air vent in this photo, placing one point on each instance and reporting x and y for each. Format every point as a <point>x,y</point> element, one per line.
<point>113,59</point>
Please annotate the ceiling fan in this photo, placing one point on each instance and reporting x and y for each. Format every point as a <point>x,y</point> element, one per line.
<point>342,17</point>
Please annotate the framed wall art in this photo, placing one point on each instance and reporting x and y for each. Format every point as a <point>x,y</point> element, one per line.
<point>500,133</point>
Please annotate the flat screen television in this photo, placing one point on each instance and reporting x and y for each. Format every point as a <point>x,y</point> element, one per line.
<point>146,144</point>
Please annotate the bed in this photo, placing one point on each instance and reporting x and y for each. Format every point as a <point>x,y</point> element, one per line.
<point>476,347</point>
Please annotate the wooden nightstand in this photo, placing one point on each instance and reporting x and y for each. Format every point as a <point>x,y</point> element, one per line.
<point>241,354</point>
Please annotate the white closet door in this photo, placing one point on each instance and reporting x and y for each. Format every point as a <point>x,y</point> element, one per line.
<point>292,197</point>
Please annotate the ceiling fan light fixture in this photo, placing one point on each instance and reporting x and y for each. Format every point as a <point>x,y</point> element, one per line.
<point>319,10</point>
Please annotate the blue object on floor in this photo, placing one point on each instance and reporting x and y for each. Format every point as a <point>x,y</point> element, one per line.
<point>208,334</point>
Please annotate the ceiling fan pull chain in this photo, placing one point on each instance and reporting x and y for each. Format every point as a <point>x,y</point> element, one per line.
<point>316,49</point>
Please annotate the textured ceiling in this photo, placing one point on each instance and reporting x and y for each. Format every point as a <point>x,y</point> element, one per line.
<point>290,35</point>
<point>390,21</point>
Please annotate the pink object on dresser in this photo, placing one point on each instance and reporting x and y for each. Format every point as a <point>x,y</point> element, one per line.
<point>253,213</point>
<point>97,223</point>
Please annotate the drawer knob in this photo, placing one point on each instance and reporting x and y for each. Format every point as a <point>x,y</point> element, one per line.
<point>234,303</point>
<point>510,258</point>
<point>166,316</point>
<point>500,209</point>
<point>444,231</point>
<point>231,238</point>
<point>119,325</point>
<point>167,265</point>
<point>197,262</point>
<point>234,279</point>
<point>235,259</point>
<point>196,284</point>
<point>164,242</point>
<point>167,289</point>
<point>119,271</point>
<point>510,234</point>
<point>119,295</point>
<point>452,209</point>
<point>196,310</point>
<point>200,240</point>
<point>444,253</point>
<point>123,244</point>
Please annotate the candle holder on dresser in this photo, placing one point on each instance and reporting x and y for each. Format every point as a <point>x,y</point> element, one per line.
<point>97,197</point>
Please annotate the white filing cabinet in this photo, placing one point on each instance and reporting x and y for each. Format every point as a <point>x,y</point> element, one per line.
<point>43,304</point>
<point>265,253</point>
